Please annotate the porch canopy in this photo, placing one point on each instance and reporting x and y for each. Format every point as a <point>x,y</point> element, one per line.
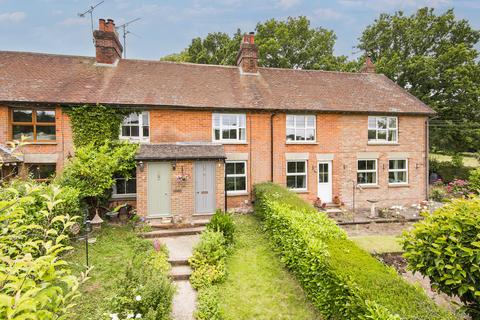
<point>7,157</point>
<point>180,151</point>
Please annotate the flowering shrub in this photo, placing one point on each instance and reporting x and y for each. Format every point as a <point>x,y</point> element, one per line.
<point>458,188</point>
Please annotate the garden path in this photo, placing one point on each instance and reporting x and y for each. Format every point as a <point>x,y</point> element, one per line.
<point>180,249</point>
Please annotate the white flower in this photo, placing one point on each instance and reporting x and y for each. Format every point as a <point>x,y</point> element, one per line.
<point>114,316</point>
<point>130,316</point>
<point>138,316</point>
<point>138,298</point>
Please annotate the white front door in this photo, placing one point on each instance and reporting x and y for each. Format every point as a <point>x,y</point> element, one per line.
<point>325,181</point>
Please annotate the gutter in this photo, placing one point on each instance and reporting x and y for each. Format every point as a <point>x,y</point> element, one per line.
<point>427,165</point>
<point>271,145</point>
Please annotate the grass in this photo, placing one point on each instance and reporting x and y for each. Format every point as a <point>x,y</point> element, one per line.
<point>378,244</point>
<point>108,256</point>
<point>469,161</point>
<point>258,286</point>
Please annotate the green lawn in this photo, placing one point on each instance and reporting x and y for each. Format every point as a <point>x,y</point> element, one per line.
<point>108,256</point>
<point>469,161</point>
<point>378,244</point>
<point>258,286</point>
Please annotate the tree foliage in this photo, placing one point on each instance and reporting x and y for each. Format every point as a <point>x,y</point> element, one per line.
<point>92,169</point>
<point>290,43</point>
<point>445,246</point>
<point>434,58</point>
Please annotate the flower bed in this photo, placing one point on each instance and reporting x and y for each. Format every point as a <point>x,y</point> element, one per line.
<point>342,280</point>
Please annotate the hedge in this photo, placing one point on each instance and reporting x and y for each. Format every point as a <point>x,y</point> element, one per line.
<point>342,280</point>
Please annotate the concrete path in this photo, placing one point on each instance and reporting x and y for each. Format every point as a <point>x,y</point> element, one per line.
<point>180,248</point>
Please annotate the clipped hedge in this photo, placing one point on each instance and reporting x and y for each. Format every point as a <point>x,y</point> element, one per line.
<point>343,281</point>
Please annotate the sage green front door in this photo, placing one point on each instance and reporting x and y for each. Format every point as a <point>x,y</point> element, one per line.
<point>159,186</point>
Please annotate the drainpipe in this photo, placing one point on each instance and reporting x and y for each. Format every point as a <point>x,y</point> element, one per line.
<point>225,184</point>
<point>271,146</point>
<point>427,165</point>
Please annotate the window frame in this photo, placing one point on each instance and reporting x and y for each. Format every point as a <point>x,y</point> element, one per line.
<point>367,171</point>
<point>305,129</point>
<point>287,174</point>
<point>398,170</point>
<point>235,175</point>
<point>387,129</point>
<point>29,165</point>
<point>116,195</point>
<point>221,127</point>
<point>141,137</point>
<point>34,123</point>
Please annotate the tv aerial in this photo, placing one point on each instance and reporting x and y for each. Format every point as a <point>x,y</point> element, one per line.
<point>90,11</point>
<point>123,27</point>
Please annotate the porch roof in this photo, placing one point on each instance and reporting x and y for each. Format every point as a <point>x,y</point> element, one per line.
<point>180,151</point>
<point>6,155</point>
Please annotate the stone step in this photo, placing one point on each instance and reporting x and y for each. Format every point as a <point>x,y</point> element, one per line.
<point>333,210</point>
<point>181,262</point>
<point>193,224</point>
<point>162,233</point>
<point>180,273</point>
<point>202,216</point>
<point>332,205</point>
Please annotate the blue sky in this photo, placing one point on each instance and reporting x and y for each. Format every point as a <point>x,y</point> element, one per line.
<point>53,26</point>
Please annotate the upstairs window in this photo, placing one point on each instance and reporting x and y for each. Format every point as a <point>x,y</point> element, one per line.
<point>297,175</point>
<point>125,187</point>
<point>34,125</point>
<point>136,127</point>
<point>229,128</point>
<point>236,177</point>
<point>301,128</point>
<point>367,172</point>
<point>398,171</point>
<point>383,129</point>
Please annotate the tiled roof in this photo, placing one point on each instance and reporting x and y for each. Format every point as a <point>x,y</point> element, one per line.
<point>180,151</point>
<point>33,77</point>
<point>6,155</point>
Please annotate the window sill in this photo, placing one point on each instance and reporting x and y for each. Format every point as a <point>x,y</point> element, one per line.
<point>298,190</point>
<point>383,143</point>
<point>123,196</point>
<point>238,193</point>
<point>293,142</point>
<point>367,186</point>
<point>134,140</point>
<point>232,142</point>
<point>398,185</point>
<point>40,143</point>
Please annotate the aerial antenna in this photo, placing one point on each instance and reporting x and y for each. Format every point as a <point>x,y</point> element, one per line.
<point>125,32</point>
<point>90,11</point>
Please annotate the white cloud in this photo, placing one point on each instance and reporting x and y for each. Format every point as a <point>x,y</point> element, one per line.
<point>380,5</point>
<point>327,14</point>
<point>286,4</point>
<point>15,16</point>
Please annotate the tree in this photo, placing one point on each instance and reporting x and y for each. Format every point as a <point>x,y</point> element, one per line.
<point>434,58</point>
<point>292,43</point>
<point>92,169</point>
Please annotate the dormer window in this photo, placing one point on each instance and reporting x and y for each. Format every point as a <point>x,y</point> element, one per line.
<point>382,129</point>
<point>136,127</point>
<point>229,128</point>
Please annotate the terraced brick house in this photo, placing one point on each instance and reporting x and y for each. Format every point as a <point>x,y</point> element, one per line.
<point>209,133</point>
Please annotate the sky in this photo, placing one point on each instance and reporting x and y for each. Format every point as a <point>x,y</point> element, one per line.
<point>53,26</point>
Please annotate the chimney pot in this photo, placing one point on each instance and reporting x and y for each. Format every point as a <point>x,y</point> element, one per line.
<point>368,66</point>
<point>108,48</point>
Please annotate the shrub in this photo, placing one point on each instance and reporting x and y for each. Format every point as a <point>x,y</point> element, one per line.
<point>474,181</point>
<point>208,305</point>
<point>144,287</point>
<point>438,194</point>
<point>343,281</point>
<point>223,222</point>
<point>207,275</point>
<point>445,246</point>
<point>35,283</point>
<point>449,170</point>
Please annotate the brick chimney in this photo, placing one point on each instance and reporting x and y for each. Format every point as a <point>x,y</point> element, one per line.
<point>368,66</point>
<point>108,49</point>
<point>248,54</point>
